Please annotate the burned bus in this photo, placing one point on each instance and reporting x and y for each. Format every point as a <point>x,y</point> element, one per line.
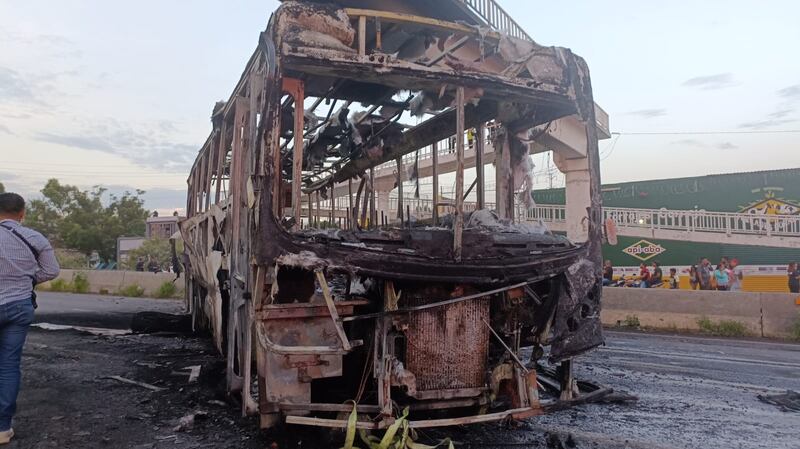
<point>380,305</point>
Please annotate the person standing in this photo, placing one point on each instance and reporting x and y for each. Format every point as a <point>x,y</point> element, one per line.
<point>704,274</point>
<point>735,276</point>
<point>794,277</point>
<point>657,279</point>
<point>694,280</point>
<point>608,273</point>
<point>26,259</point>
<point>721,277</point>
<point>644,276</point>
<point>674,279</point>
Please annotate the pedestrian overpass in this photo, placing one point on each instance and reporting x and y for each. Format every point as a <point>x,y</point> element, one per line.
<point>780,231</point>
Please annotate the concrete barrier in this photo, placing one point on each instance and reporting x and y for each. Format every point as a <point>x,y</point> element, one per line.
<point>780,314</point>
<point>110,281</point>
<point>762,314</point>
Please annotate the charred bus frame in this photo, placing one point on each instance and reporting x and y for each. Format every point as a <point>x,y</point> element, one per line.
<point>432,314</point>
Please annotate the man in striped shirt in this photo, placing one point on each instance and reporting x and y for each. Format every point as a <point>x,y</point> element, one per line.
<point>26,259</point>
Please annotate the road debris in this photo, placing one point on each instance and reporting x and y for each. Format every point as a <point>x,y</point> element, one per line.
<point>133,382</point>
<point>187,422</point>
<point>88,330</point>
<point>788,402</point>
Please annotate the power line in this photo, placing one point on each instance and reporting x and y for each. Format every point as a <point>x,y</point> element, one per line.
<point>611,150</point>
<point>681,133</point>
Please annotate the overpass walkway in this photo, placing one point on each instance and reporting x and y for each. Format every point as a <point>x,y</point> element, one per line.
<point>781,231</point>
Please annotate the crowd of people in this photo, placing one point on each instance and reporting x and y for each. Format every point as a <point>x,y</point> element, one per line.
<point>645,279</point>
<point>726,276</point>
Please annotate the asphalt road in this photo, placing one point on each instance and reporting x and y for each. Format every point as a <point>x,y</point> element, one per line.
<point>112,312</point>
<point>694,392</point>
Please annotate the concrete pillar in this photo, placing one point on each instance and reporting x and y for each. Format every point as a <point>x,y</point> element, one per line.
<point>578,181</point>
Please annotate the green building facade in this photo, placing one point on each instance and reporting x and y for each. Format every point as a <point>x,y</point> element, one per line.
<point>766,192</point>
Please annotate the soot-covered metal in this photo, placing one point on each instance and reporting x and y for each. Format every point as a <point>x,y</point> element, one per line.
<point>375,305</point>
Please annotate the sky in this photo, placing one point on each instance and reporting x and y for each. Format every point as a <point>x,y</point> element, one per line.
<point>119,94</point>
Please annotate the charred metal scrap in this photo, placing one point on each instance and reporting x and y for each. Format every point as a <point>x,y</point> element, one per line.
<point>429,313</point>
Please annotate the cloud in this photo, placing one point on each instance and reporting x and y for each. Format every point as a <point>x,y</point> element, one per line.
<point>726,146</point>
<point>648,113</point>
<point>13,87</point>
<point>5,129</point>
<point>781,113</point>
<point>149,145</point>
<point>55,45</point>
<point>51,40</point>
<point>764,124</point>
<point>689,143</point>
<point>710,82</point>
<point>7,176</point>
<point>24,90</point>
<point>16,115</point>
<point>790,93</point>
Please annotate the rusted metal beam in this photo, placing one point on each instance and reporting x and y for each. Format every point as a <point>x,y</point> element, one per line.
<point>362,35</point>
<point>435,168</point>
<point>372,210</point>
<point>480,144</point>
<point>350,204</point>
<point>222,150</point>
<point>438,128</point>
<point>503,174</point>
<point>296,89</point>
<point>458,224</point>
<point>399,180</point>
<point>337,322</point>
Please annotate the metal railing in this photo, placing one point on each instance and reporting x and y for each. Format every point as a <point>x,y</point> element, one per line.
<point>422,208</point>
<point>683,220</point>
<point>496,17</point>
<point>727,223</point>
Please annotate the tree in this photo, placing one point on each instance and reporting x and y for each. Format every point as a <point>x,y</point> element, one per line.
<point>79,219</point>
<point>2,188</point>
<point>151,250</point>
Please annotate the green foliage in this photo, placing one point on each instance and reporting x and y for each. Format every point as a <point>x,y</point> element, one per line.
<point>796,329</point>
<point>151,249</point>
<point>81,220</point>
<point>724,328</point>
<point>80,283</point>
<point>2,188</point>
<point>631,321</point>
<point>71,259</point>
<point>166,290</point>
<point>60,285</point>
<point>131,291</point>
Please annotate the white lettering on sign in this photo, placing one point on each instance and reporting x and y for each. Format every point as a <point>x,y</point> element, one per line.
<point>644,250</point>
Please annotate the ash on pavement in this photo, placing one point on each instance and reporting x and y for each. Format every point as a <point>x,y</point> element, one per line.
<point>694,392</point>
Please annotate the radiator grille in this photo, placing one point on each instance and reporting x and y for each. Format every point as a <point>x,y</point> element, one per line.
<point>447,347</point>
